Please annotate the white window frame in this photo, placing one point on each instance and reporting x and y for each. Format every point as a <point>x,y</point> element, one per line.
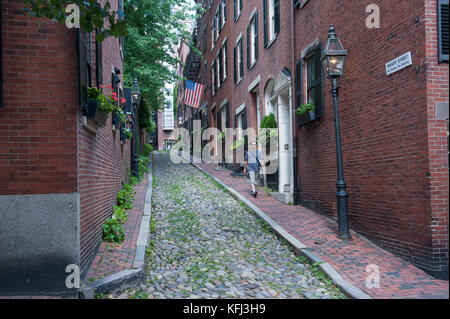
<point>223,13</point>
<point>271,20</point>
<point>238,9</point>
<point>253,41</point>
<point>238,56</point>
<point>224,61</point>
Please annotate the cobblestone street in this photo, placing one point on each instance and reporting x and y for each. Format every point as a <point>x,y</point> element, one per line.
<point>205,244</point>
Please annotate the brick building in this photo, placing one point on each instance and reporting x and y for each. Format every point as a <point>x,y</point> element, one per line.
<point>59,171</point>
<point>263,56</point>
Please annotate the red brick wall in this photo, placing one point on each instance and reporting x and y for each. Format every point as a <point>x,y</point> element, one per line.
<point>44,147</point>
<point>270,63</point>
<point>383,126</point>
<point>437,92</point>
<point>102,163</point>
<point>38,135</point>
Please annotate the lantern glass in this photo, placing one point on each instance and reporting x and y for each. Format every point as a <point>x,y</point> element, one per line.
<point>334,65</point>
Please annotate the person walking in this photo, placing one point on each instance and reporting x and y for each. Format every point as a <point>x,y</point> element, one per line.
<point>253,161</point>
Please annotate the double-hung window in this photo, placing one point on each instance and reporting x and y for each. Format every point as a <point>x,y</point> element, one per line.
<point>237,9</point>
<point>252,41</point>
<point>238,61</point>
<point>224,60</point>
<point>271,12</point>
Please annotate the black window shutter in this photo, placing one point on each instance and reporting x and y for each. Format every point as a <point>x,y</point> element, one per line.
<point>82,69</point>
<point>225,10</point>
<point>225,47</point>
<point>298,86</point>
<point>227,117</point>
<point>244,127</point>
<point>219,9</point>
<point>234,10</point>
<point>277,15</point>
<point>240,4</point>
<point>266,37</point>
<point>99,63</point>
<point>221,65</point>
<point>215,30</point>
<point>248,46</point>
<point>443,29</point>
<point>318,87</point>
<point>241,67</point>
<point>256,35</point>
<point>235,63</point>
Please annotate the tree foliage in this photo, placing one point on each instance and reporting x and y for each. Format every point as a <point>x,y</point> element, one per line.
<point>155,28</point>
<point>93,15</point>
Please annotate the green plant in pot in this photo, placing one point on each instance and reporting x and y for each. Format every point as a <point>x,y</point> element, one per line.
<point>103,105</point>
<point>128,133</point>
<point>308,108</point>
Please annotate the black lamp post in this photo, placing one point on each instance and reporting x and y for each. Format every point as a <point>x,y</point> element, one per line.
<point>135,99</point>
<point>333,59</point>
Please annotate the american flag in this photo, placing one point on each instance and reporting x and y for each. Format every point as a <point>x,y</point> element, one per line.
<point>193,94</point>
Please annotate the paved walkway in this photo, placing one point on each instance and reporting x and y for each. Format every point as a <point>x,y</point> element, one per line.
<point>206,244</point>
<point>398,278</point>
<point>112,258</point>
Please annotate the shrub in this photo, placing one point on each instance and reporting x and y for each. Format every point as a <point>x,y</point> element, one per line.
<point>269,121</point>
<point>113,231</point>
<point>148,149</point>
<point>120,214</point>
<point>143,166</point>
<point>125,197</point>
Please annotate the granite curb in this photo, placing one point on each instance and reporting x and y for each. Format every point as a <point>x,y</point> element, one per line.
<point>298,247</point>
<point>130,277</point>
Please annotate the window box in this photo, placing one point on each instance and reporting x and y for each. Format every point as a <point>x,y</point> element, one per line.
<point>307,118</point>
<point>94,112</point>
<point>101,117</point>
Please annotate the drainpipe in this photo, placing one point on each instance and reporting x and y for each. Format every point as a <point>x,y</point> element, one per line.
<point>294,167</point>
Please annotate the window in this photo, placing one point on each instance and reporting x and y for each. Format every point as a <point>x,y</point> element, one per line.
<point>213,76</point>
<point>252,41</point>
<point>219,67</point>
<point>205,72</point>
<point>217,24</point>
<point>225,60</point>
<point>204,40</point>
<point>314,80</point>
<point>237,9</point>
<point>271,12</point>
<point>443,26</point>
<point>238,61</point>
<point>212,36</point>
<point>224,13</point>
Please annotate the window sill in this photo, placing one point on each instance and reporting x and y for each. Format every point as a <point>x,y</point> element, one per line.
<point>237,18</point>
<point>239,81</point>
<point>272,41</point>
<point>252,64</point>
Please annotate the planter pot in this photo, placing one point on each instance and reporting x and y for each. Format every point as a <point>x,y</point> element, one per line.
<point>123,136</point>
<point>101,117</point>
<point>116,119</point>
<point>307,118</point>
<point>91,109</point>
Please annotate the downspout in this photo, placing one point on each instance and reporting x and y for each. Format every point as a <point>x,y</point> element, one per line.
<point>292,109</point>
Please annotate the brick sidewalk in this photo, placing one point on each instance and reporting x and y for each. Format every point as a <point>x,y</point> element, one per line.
<point>398,278</point>
<point>112,258</point>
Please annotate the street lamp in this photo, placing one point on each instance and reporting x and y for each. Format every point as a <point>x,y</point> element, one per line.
<point>333,60</point>
<point>136,100</point>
